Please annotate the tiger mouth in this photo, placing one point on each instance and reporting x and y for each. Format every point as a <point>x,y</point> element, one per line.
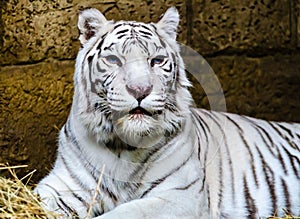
<point>141,111</point>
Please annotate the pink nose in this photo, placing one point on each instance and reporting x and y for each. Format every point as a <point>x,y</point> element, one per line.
<point>139,93</point>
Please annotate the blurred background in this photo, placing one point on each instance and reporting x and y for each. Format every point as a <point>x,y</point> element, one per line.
<point>253,46</point>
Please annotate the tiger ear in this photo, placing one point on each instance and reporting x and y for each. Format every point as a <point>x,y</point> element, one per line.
<point>169,22</point>
<point>89,22</point>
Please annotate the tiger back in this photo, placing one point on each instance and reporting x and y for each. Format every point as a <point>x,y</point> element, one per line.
<point>134,147</point>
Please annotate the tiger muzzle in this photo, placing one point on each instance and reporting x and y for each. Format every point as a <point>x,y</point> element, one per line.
<point>139,92</point>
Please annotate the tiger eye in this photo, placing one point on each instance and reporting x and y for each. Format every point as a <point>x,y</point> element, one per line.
<point>157,60</point>
<point>112,59</point>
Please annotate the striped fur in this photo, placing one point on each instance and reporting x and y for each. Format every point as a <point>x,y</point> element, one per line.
<point>132,113</point>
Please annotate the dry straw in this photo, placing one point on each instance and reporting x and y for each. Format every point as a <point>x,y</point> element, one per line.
<point>17,199</point>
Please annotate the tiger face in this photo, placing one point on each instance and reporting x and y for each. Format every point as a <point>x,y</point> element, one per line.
<point>133,77</point>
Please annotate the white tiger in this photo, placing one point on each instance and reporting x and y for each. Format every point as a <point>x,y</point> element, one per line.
<point>132,113</point>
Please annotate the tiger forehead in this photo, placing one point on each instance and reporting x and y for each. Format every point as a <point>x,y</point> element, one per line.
<point>128,36</point>
<point>134,28</point>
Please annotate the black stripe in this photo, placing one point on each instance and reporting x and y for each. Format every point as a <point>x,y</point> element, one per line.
<point>280,158</point>
<point>205,130</point>
<point>154,27</point>
<point>57,194</point>
<point>156,151</point>
<point>107,83</point>
<point>101,43</point>
<point>77,181</point>
<point>285,129</point>
<point>66,131</point>
<point>250,203</point>
<point>99,69</point>
<point>121,36</point>
<point>288,139</point>
<point>122,31</point>
<point>220,180</point>
<point>94,83</point>
<point>84,81</point>
<point>260,132</point>
<point>71,210</point>
<point>118,25</point>
<point>175,73</point>
<point>109,47</point>
<point>144,161</point>
<point>203,181</point>
<point>145,36</point>
<point>292,159</point>
<point>144,26</point>
<point>277,131</point>
<point>162,43</point>
<point>93,171</point>
<point>188,185</point>
<point>170,68</point>
<point>72,174</point>
<point>159,181</point>
<point>90,59</point>
<point>145,32</point>
<point>144,45</point>
<point>72,138</point>
<point>98,211</point>
<point>267,134</point>
<point>241,132</point>
<point>286,195</point>
<point>106,78</point>
<point>208,196</point>
<point>269,179</point>
<point>157,48</point>
<point>232,183</point>
<point>133,24</point>
<point>109,193</point>
<point>79,153</point>
<point>62,205</point>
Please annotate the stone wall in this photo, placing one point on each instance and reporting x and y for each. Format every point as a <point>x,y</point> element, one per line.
<point>253,47</point>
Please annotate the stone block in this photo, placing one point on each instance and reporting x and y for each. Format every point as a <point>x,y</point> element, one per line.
<point>266,87</point>
<point>35,100</point>
<point>297,22</point>
<point>251,26</point>
<point>37,30</point>
<point>33,31</point>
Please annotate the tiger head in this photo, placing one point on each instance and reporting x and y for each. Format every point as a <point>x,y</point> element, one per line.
<point>130,80</point>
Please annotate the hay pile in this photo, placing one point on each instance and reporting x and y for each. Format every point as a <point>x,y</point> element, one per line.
<point>17,199</point>
<point>287,216</point>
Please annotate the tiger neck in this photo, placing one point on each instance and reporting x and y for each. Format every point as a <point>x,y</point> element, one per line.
<point>120,157</point>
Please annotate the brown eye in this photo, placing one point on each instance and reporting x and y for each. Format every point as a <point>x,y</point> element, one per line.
<point>157,60</point>
<point>112,59</point>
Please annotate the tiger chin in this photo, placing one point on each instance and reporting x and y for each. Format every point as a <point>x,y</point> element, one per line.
<point>133,134</point>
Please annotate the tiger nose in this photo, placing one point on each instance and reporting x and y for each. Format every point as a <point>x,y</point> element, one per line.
<point>139,93</point>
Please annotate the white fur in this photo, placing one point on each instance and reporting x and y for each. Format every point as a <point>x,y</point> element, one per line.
<point>200,171</point>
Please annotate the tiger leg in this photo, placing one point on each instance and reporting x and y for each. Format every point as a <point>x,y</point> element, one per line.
<point>57,197</point>
<point>170,204</point>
